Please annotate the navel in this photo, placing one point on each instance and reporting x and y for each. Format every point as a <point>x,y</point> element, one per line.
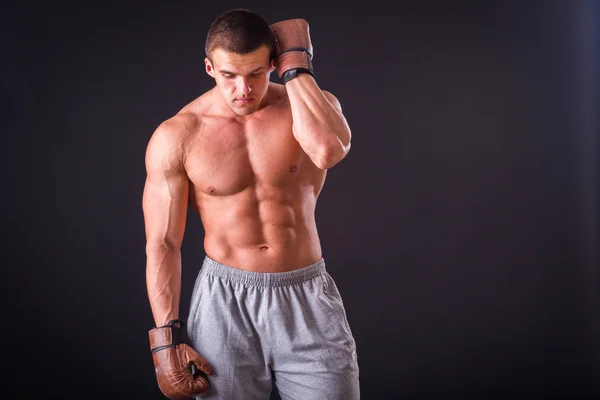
<point>293,168</point>
<point>264,248</point>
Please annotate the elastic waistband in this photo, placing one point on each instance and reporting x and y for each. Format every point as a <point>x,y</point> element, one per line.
<point>263,279</point>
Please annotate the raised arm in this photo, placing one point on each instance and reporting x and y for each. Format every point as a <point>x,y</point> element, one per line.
<point>165,200</point>
<point>319,124</point>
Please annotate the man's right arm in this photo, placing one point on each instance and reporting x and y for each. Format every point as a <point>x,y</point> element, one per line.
<point>164,203</point>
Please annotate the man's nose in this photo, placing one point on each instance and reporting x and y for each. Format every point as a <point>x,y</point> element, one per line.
<point>244,86</point>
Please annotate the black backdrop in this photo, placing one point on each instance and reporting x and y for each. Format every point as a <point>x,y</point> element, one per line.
<point>461,229</point>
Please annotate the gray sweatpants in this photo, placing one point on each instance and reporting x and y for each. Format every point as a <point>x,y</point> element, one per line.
<point>287,328</point>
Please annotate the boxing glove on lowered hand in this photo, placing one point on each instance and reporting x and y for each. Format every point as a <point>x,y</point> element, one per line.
<point>294,50</point>
<point>175,362</point>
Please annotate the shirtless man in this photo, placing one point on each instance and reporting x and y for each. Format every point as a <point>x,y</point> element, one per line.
<point>250,156</point>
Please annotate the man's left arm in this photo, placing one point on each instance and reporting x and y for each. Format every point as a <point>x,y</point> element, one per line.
<point>319,124</point>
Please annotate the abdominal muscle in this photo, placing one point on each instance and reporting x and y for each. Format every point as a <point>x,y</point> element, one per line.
<point>262,228</point>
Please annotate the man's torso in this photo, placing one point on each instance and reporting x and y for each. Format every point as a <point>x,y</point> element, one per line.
<point>253,186</point>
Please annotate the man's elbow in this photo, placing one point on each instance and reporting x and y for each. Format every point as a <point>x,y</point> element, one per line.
<point>331,154</point>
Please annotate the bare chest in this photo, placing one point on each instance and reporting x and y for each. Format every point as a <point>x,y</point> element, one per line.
<point>225,158</point>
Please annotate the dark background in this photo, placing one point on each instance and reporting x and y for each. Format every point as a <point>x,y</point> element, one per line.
<point>461,229</point>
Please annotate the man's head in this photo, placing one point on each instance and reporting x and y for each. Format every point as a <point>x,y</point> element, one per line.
<point>240,50</point>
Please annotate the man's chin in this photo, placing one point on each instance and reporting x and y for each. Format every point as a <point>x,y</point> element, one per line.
<point>243,111</point>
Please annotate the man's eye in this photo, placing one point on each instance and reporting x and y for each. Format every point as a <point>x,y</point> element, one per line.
<point>255,75</point>
<point>227,76</point>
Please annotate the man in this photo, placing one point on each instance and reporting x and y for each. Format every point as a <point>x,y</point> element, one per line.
<point>250,156</point>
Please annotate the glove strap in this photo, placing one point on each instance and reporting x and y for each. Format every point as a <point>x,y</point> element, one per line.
<point>172,323</point>
<point>175,330</point>
<point>292,73</point>
<point>176,334</point>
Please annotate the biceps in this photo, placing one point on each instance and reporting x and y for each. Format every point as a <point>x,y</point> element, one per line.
<point>164,205</point>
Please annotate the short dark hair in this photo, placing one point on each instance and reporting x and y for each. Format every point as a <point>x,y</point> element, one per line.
<point>239,31</point>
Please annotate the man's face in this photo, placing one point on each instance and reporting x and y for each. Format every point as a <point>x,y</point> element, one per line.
<point>242,80</point>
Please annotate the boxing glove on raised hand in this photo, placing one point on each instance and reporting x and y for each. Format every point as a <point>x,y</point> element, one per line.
<point>175,363</point>
<point>294,50</point>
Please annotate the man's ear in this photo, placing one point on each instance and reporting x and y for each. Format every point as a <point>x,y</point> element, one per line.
<point>272,68</point>
<point>208,67</point>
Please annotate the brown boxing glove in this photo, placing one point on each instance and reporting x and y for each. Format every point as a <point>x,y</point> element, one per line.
<point>294,50</point>
<point>176,364</point>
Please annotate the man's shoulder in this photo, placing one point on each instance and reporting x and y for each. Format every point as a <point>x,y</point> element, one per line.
<point>172,135</point>
<point>177,127</point>
<point>187,120</point>
<point>179,124</point>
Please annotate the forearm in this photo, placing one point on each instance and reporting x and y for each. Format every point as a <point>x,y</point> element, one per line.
<point>163,281</point>
<point>319,127</point>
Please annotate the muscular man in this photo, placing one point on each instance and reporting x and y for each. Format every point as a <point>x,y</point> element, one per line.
<point>250,156</point>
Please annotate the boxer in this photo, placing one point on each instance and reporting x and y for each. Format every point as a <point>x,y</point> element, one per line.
<point>250,156</point>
